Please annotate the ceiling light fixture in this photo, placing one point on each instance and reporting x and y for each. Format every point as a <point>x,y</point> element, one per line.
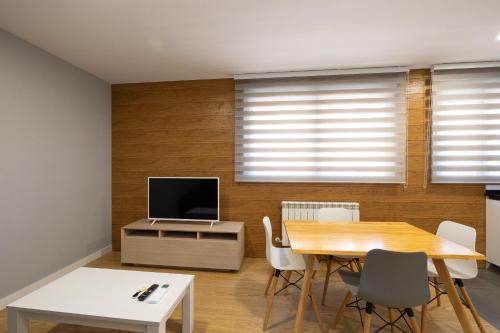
<point>498,37</point>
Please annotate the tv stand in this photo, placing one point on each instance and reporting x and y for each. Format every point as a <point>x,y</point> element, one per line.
<point>184,244</point>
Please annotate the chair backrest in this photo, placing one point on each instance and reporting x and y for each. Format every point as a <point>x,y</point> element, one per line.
<point>458,233</point>
<point>395,279</point>
<point>335,215</point>
<point>463,235</point>
<point>269,237</point>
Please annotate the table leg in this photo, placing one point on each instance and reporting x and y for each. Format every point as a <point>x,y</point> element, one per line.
<point>188,310</point>
<point>17,322</point>
<point>444,276</point>
<point>304,293</point>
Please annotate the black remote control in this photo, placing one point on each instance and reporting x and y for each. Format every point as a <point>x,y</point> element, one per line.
<point>148,292</point>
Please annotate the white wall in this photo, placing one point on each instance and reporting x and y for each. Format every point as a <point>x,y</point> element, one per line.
<point>55,164</point>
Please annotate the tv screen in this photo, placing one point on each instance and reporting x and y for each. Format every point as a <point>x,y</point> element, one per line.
<point>192,199</point>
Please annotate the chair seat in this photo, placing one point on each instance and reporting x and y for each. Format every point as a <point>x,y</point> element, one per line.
<point>345,257</point>
<point>455,272</point>
<point>351,279</point>
<point>296,267</point>
<point>289,261</point>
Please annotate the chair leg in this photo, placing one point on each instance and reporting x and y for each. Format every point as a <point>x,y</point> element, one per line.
<point>413,321</point>
<point>358,265</point>
<point>368,318</point>
<point>391,318</point>
<point>436,289</point>
<point>270,298</point>
<point>423,318</point>
<point>341,309</point>
<point>316,310</point>
<point>327,280</point>
<point>470,305</point>
<point>351,266</point>
<point>269,282</point>
<point>287,276</point>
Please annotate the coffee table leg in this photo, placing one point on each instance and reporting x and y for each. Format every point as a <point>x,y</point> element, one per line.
<point>188,310</point>
<point>17,322</point>
<point>156,328</point>
<point>444,276</point>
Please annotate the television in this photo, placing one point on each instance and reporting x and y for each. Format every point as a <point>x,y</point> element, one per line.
<point>183,198</point>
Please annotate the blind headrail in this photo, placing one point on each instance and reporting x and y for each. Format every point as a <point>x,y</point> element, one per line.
<point>347,71</point>
<point>466,65</point>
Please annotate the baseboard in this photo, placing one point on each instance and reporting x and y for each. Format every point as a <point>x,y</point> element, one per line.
<point>35,285</point>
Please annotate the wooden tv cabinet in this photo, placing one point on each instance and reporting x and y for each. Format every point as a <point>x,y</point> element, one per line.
<point>184,244</point>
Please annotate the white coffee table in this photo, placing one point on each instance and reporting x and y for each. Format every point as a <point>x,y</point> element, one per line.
<point>103,298</point>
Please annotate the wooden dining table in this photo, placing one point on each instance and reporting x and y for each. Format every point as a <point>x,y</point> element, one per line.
<point>356,239</point>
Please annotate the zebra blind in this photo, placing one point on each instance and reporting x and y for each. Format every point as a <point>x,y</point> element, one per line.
<point>466,124</point>
<point>328,128</point>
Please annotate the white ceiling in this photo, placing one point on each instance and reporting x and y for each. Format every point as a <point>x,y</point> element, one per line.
<point>162,40</point>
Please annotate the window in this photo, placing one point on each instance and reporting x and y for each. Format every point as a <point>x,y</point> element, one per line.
<point>466,123</point>
<point>333,126</point>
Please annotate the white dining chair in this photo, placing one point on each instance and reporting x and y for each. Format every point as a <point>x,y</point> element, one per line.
<point>459,269</point>
<point>335,215</point>
<point>283,260</point>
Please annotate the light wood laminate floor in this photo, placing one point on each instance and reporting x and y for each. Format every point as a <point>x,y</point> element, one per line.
<point>234,302</point>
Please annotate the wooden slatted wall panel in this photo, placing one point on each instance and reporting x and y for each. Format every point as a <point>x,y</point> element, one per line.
<point>186,128</point>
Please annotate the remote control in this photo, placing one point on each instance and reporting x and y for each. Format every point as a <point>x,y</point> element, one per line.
<point>158,294</point>
<point>148,292</point>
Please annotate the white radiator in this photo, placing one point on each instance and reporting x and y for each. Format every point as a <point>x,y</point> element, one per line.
<point>308,211</point>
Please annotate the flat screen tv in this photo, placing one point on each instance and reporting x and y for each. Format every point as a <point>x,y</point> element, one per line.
<point>183,198</point>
